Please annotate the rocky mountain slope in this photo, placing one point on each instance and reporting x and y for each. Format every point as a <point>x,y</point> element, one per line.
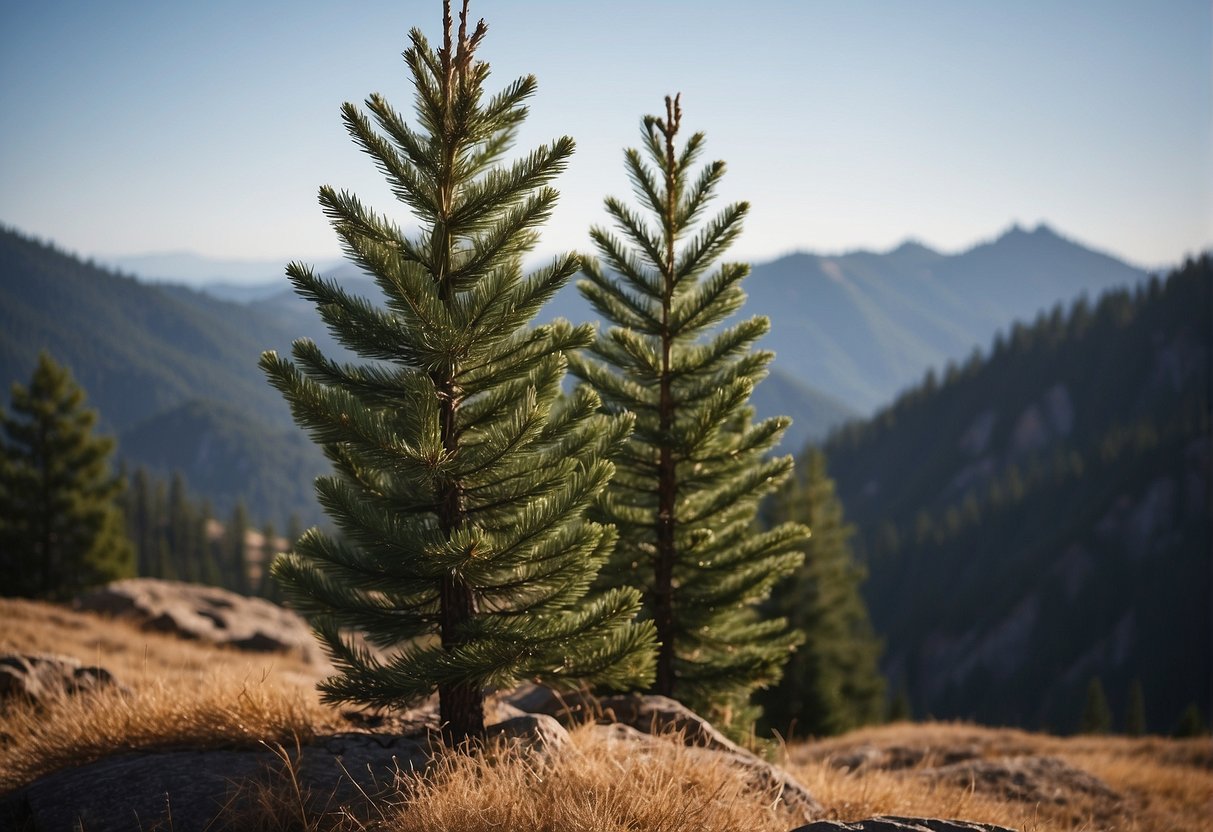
<point>1040,517</point>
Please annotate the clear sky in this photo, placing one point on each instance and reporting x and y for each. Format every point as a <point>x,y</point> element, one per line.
<point>136,127</point>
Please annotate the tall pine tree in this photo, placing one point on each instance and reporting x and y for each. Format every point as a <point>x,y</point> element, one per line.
<point>686,492</point>
<point>461,476</point>
<point>832,682</point>
<point>61,529</point>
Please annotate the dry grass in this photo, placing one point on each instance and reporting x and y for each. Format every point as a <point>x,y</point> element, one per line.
<point>185,693</point>
<point>599,785</point>
<point>180,693</point>
<point>1155,783</point>
<point>596,785</point>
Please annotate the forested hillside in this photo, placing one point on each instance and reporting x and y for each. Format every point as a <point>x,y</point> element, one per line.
<point>1040,516</point>
<point>172,372</point>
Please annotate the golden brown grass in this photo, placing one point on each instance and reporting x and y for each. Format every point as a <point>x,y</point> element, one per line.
<point>595,785</point>
<point>1159,783</point>
<point>180,693</point>
<point>186,693</point>
<point>598,785</point>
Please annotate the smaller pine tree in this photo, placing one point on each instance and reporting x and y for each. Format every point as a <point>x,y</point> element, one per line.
<point>687,486</point>
<point>900,709</point>
<point>1191,723</point>
<point>269,548</point>
<point>832,682</point>
<point>1135,710</point>
<point>61,528</point>
<point>235,550</point>
<point>1096,715</point>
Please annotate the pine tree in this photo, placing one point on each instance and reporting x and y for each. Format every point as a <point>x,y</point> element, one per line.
<point>1135,710</point>
<point>140,521</point>
<point>167,564</point>
<point>235,567</point>
<point>1191,723</point>
<point>832,682</point>
<point>61,528</point>
<point>900,709</point>
<point>1096,715</point>
<point>208,553</point>
<point>461,476</point>
<point>269,548</point>
<point>686,492</point>
<point>180,530</point>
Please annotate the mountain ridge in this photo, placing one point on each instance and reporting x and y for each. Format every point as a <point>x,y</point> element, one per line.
<point>848,331</point>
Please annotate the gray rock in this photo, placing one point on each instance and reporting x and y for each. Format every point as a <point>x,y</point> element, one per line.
<point>662,715</point>
<point>641,718</point>
<point>1029,779</point>
<point>212,789</point>
<point>205,613</point>
<point>898,824</point>
<point>208,789</point>
<point>38,677</point>
<point>539,733</point>
<point>647,713</point>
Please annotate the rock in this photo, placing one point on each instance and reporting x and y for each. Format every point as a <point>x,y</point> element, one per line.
<point>205,613</point>
<point>647,713</point>
<point>896,824</point>
<point>662,715</point>
<point>539,733</point>
<point>569,708</point>
<point>898,758</point>
<point>1030,779</point>
<point>38,677</point>
<point>138,790</point>
<point>641,718</point>
<point>189,790</point>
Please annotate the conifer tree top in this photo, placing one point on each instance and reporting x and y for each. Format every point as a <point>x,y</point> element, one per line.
<point>685,494</point>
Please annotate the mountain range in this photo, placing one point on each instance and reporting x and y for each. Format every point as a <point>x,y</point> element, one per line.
<point>172,369</point>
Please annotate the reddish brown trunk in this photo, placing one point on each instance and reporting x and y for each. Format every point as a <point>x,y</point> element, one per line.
<point>460,705</point>
<point>666,555</point>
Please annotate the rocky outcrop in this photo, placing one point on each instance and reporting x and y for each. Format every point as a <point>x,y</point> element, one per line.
<point>1027,779</point>
<point>205,613</point>
<point>215,789</point>
<point>40,677</point>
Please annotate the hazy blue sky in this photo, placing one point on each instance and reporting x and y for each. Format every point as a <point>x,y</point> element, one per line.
<point>134,127</point>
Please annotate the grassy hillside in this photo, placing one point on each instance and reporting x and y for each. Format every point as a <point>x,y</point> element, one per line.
<point>1041,516</point>
<point>188,695</point>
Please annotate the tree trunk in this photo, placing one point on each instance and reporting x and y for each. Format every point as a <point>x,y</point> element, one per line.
<point>667,479</point>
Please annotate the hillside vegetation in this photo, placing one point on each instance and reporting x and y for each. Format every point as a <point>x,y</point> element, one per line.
<point>1049,505</point>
